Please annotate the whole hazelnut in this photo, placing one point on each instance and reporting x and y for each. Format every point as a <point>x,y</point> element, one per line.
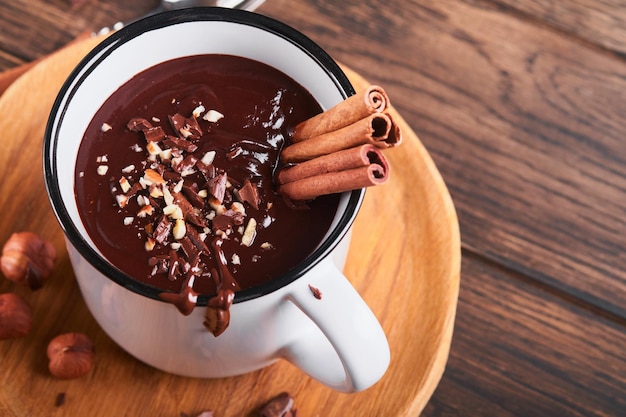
<point>27,259</point>
<point>16,317</point>
<point>71,355</point>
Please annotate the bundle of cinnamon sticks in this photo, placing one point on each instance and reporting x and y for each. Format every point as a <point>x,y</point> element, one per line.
<point>340,149</point>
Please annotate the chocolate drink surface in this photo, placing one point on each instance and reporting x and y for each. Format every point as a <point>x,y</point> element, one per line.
<point>174,176</point>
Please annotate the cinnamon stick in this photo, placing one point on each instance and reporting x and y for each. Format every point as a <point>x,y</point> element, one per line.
<point>372,129</point>
<point>337,172</point>
<point>394,138</point>
<point>357,157</point>
<point>364,103</point>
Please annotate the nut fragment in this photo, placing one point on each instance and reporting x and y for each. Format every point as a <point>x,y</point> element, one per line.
<point>250,233</point>
<point>279,406</point>
<point>16,317</point>
<point>71,355</point>
<point>27,259</point>
<point>212,116</point>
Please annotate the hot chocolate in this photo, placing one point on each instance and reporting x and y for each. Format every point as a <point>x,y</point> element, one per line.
<point>174,176</point>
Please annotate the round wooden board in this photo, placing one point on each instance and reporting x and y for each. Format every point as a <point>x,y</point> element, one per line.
<point>404,259</point>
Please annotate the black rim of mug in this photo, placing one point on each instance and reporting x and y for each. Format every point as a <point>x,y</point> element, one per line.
<point>122,36</point>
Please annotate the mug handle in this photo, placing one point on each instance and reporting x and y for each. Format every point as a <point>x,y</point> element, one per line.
<point>358,354</point>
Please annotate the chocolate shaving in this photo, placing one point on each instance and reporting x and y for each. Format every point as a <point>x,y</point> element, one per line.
<point>217,186</point>
<point>180,143</point>
<point>154,134</point>
<point>227,220</point>
<point>138,124</point>
<point>193,196</point>
<point>208,171</point>
<point>162,230</point>
<point>189,213</point>
<point>195,238</point>
<point>191,251</point>
<point>192,128</point>
<point>187,164</point>
<point>177,121</point>
<point>250,194</point>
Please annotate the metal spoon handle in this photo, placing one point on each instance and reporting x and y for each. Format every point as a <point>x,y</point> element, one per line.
<point>232,4</point>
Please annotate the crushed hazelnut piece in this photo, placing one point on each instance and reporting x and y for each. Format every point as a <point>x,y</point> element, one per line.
<point>208,158</point>
<point>153,148</point>
<point>128,169</point>
<point>180,229</point>
<point>250,233</point>
<point>149,245</point>
<point>152,177</point>
<point>102,169</point>
<point>212,116</point>
<point>198,111</point>
<point>105,127</point>
<point>124,184</point>
<point>122,200</point>
<point>144,211</point>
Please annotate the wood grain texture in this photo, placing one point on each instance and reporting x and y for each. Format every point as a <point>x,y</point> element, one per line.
<point>525,125</point>
<point>537,354</point>
<point>419,319</point>
<point>601,23</point>
<point>31,29</point>
<point>521,105</point>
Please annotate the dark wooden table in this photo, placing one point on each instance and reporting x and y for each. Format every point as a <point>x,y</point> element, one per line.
<point>522,105</point>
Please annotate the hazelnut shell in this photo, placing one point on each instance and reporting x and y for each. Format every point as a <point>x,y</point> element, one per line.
<point>27,259</point>
<point>16,317</point>
<point>71,355</point>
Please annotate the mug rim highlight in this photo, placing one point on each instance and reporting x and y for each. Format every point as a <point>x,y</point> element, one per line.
<point>155,22</point>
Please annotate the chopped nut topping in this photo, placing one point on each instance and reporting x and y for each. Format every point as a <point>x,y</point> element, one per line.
<point>208,158</point>
<point>249,233</point>
<point>150,176</point>
<point>106,127</point>
<point>145,211</point>
<point>184,200</point>
<point>128,169</point>
<point>149,245</point>
<point>212,116</point>
<point>198,111</point>
<point>102,169</point>
<point>153,148</point>
<point>180,229</point>
<point>124,184</point>
<point>122,200</point>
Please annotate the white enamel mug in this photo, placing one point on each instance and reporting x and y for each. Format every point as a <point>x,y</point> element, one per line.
<point>335,338</point>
